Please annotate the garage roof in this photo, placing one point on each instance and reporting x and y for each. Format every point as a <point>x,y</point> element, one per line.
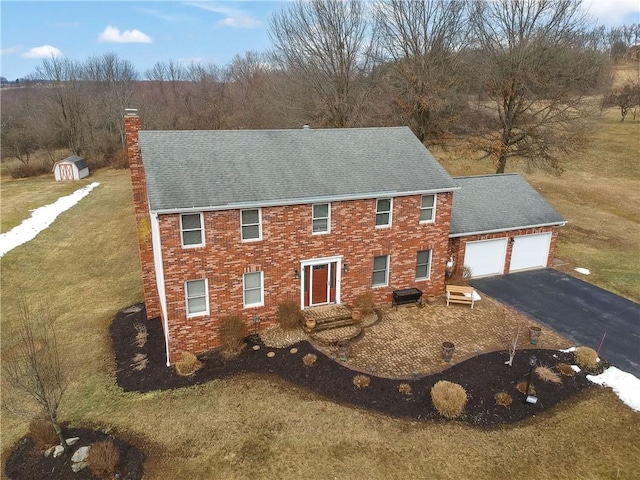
<point>236,168</point>
<point>494,203</point>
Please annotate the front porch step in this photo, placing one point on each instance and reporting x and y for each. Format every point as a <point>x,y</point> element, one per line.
<point>329,323</point>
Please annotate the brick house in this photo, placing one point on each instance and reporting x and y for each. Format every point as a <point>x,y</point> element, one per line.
<point>238,221</point>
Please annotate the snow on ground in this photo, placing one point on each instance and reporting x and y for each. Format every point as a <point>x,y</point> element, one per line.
<point>40,219</point>
<point>625,385</point>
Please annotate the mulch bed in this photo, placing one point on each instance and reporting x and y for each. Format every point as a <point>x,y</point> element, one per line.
<point>482,376</point>
<point>26,462</point>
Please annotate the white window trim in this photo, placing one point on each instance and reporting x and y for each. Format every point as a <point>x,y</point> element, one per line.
<point>429,264</point>
<point>182,230</point>
<point>433,209</point>
<point>206,298</point>
<point>386,273</point>
<point>252,305</point>
<point>328,218</point>
<point>259,225</point>
<point>390,212</point>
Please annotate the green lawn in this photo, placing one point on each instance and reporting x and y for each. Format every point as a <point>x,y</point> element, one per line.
<point>85,267</point>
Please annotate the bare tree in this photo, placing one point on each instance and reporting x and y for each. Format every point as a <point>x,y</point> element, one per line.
<point>420,39</point>
<point>33,369</point>
<point>535,73</point>
<point>325,47</point>
<point>68,104</point>
<point>513,327</point>
<point>626,98</point>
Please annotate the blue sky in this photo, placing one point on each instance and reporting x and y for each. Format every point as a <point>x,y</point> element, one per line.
<point>145,32</point>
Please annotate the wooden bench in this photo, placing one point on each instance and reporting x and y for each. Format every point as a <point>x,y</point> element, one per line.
<point>460,294</point>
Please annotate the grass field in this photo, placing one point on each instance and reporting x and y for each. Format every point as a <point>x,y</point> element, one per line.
<point>85,266</point>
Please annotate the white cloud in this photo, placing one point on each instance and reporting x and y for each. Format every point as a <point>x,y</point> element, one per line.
<point>10,50</point>
<point>234,17</point>
<point>612,13</point>
<point>114,35</point>
<point>45,51</point>
<point>239,21</point>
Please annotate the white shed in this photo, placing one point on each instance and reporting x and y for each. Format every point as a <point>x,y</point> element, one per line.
<point>71,168</point>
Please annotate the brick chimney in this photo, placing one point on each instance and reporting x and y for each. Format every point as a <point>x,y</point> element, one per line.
<point>143,219</point>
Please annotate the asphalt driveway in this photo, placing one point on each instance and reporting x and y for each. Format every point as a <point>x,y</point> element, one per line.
<point>575,309</point>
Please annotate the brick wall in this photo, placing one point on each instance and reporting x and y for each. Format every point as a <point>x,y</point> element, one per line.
<point>286,240</point>
<point>457,245</point>
<point>141,207</point>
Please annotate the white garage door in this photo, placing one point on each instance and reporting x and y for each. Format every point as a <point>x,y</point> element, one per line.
<point>486,257</point>
<point>530,251</point>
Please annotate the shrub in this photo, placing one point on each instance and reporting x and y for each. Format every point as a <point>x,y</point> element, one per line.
<point>547,375</point>
<point>586,357</point>
<point>188,364</point>
<point>448,398</point>
<point>232,331</point>
<point>141,334</point>
<point>566,370</point>
<point>364,302</point>
<point>309,359</point>
<point>504,399</point>
<point>139,361</point>
<point>404,388</point>
<point>361,381</point>
<point>522,387</point>
<point>103,459</point>
<point>42,434</point>
<point>461,276</point>
<point>289,314</point>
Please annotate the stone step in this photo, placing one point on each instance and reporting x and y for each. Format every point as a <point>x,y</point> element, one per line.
<point>327,324</point>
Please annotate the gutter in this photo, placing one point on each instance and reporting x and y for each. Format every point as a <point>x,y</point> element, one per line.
<point>299,201</point>
<point>510,229</point>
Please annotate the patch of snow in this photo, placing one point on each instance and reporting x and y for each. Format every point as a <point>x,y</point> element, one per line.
<point>568,350</point>
<point>575,368</point>
<point>584,271</point>
<point>40,219</point>
<point>625,385</point>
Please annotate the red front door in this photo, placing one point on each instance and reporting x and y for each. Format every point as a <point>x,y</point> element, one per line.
<point>319,284</point>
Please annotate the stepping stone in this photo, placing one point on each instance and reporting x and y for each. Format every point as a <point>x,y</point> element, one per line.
<point>293,350</point>
<point>256,347</point>
<point>271,354</point>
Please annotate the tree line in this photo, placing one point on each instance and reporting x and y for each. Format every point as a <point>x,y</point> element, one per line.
<point>518,77</point>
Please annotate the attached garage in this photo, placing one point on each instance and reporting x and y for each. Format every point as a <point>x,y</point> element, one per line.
<point>486,257</point>
<point>501,224</point>
<point>530,251</point>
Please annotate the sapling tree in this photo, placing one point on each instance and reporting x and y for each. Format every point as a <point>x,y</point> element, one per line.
<point>513,327</point>
<point>32,368</point>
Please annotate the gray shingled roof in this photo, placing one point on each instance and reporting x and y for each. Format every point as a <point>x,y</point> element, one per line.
<point>232,168</point>
<point>488,203</point>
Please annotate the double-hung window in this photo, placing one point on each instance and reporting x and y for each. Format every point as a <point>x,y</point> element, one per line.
<point>253,289</point>
<point>423,265</point>
<point>251,224</point>
<point>383,212</point>
<point>191,230</point>
<point>196,297</point>
<point>428,208</point>
<point>321,218</point>
<point>380,271</point>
